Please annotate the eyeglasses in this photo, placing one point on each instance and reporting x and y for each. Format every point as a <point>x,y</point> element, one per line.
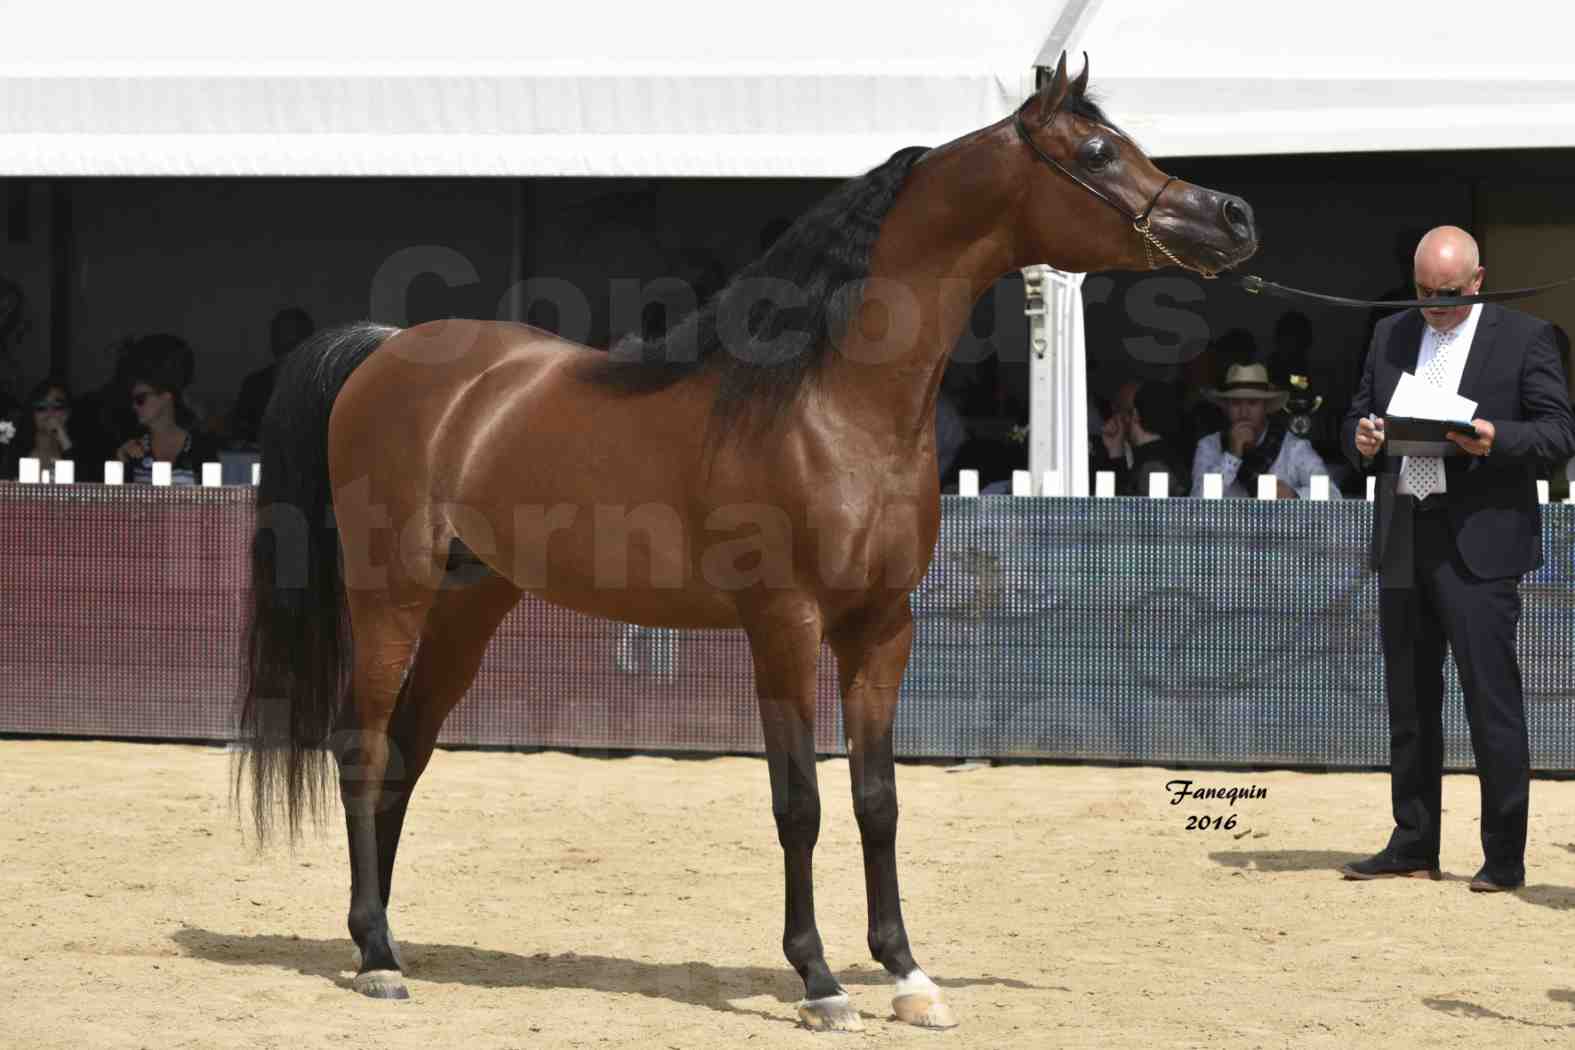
<point>1424,292</point>
<point>50,406</point>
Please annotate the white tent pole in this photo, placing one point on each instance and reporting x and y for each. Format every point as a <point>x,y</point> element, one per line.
<point>1073,17</point>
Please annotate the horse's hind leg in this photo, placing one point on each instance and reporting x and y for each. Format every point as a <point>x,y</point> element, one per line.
<point>386,629</point>
<point>871,660</point>
<point>399,707</point>
<point>453,642</point>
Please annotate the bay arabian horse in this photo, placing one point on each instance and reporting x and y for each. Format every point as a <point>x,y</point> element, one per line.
<point>777,447</point>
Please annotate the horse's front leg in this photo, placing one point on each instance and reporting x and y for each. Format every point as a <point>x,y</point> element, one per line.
<point>785,647</point>
<point>871,660</point>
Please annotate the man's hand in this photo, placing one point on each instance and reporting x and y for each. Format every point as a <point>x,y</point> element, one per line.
<point>1480,445</point>
<point>1369,436</point>
<point>1112,434</point>
<point>1283,490</point>
<point>1241,435</point>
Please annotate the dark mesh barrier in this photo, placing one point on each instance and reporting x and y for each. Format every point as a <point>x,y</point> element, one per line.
<point>1186,631</point>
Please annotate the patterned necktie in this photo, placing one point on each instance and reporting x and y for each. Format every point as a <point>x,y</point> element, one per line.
<point>1424,475</point>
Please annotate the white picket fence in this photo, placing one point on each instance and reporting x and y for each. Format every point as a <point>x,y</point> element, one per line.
<point>1050,484</point>
<point>31,472</point>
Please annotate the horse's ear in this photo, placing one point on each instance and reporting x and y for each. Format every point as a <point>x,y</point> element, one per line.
<point>1054,92</point>
<point>1080,85</point>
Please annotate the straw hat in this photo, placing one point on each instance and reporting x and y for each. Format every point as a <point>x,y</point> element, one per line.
<point>1248,382</point>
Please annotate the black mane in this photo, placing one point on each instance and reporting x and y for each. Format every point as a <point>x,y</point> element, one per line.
<point>778,318</point>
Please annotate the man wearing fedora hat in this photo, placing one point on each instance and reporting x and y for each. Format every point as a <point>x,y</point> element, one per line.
<point>1256,440</point>
<point>1451,539</point>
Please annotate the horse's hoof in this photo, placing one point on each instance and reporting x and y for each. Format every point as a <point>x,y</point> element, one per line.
<point>918,1002</point>
<point>923,1010</point>
<point>832,1014</point>
<point>381,984</point>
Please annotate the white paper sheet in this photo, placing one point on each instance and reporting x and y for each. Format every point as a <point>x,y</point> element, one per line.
<point>1420,400</point>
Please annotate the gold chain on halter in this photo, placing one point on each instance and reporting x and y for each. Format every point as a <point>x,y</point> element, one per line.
<point>1141,226</point>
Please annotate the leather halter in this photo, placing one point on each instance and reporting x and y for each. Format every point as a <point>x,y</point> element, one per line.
<point>1139,221</point>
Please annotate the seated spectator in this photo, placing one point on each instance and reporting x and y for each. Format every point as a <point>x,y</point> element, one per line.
<point>1200,416</point>
<point>1151,428</point>
<point>101,417</point>
<point>10,416</point>
<point>167,434</point>
<point>1111,452</point>
<point>951,433</point>
<point>1256,440</point>
<point>1293,341</point>
<point>44,433</point>
<point>1132,450</point>
<point>288,329</point>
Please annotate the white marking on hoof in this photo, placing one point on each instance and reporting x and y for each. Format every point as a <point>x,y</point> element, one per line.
<point>381,984</point>
<point>831,1014</point>
<point>918,1002</point>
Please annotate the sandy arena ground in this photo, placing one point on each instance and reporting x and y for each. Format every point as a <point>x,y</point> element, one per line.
<point>558,901</point>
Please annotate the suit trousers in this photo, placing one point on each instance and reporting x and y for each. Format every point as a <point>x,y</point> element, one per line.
<point>1445,606</point>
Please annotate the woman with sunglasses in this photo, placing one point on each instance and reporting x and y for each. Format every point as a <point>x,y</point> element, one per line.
<point>43,434</point>
<point>155,398</point>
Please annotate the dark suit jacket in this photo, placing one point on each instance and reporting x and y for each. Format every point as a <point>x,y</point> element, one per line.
<point>1513,374</point>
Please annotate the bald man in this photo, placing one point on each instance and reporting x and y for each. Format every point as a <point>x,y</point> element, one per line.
<point>1451,538</point>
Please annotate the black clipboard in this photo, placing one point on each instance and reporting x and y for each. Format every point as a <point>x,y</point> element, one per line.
<point>1408,436</point>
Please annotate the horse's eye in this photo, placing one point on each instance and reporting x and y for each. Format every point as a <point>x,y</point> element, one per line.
<point>1098,154</point>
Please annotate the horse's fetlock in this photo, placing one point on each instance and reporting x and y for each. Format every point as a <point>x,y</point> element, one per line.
<point>888,944</point>
<point>365,921</point>
<point>802,948</point>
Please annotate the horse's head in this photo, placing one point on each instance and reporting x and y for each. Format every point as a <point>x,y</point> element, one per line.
<point>1134,216</point>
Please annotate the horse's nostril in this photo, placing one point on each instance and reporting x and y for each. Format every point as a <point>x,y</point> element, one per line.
<point>1238,217</point>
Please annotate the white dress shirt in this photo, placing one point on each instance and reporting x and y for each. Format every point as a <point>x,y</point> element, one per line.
<point>1296,465</point>
<point>1454,368</point>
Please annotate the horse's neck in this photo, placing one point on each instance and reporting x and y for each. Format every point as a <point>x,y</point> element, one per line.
<point>948,237</point>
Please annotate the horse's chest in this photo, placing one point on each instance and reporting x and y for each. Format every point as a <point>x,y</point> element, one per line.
<point>883,543</point>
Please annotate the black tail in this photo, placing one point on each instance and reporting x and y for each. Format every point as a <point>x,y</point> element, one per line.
<point>299,647</point>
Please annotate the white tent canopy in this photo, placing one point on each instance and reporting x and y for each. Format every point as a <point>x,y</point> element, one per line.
<point>476,87</point>
<point>1229,77</point>
<point>813,87</point>
<point>809,88</point>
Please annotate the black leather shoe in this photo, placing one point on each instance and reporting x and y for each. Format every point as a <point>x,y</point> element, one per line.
<point>1489,881</point>
<point>1385,865</point>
